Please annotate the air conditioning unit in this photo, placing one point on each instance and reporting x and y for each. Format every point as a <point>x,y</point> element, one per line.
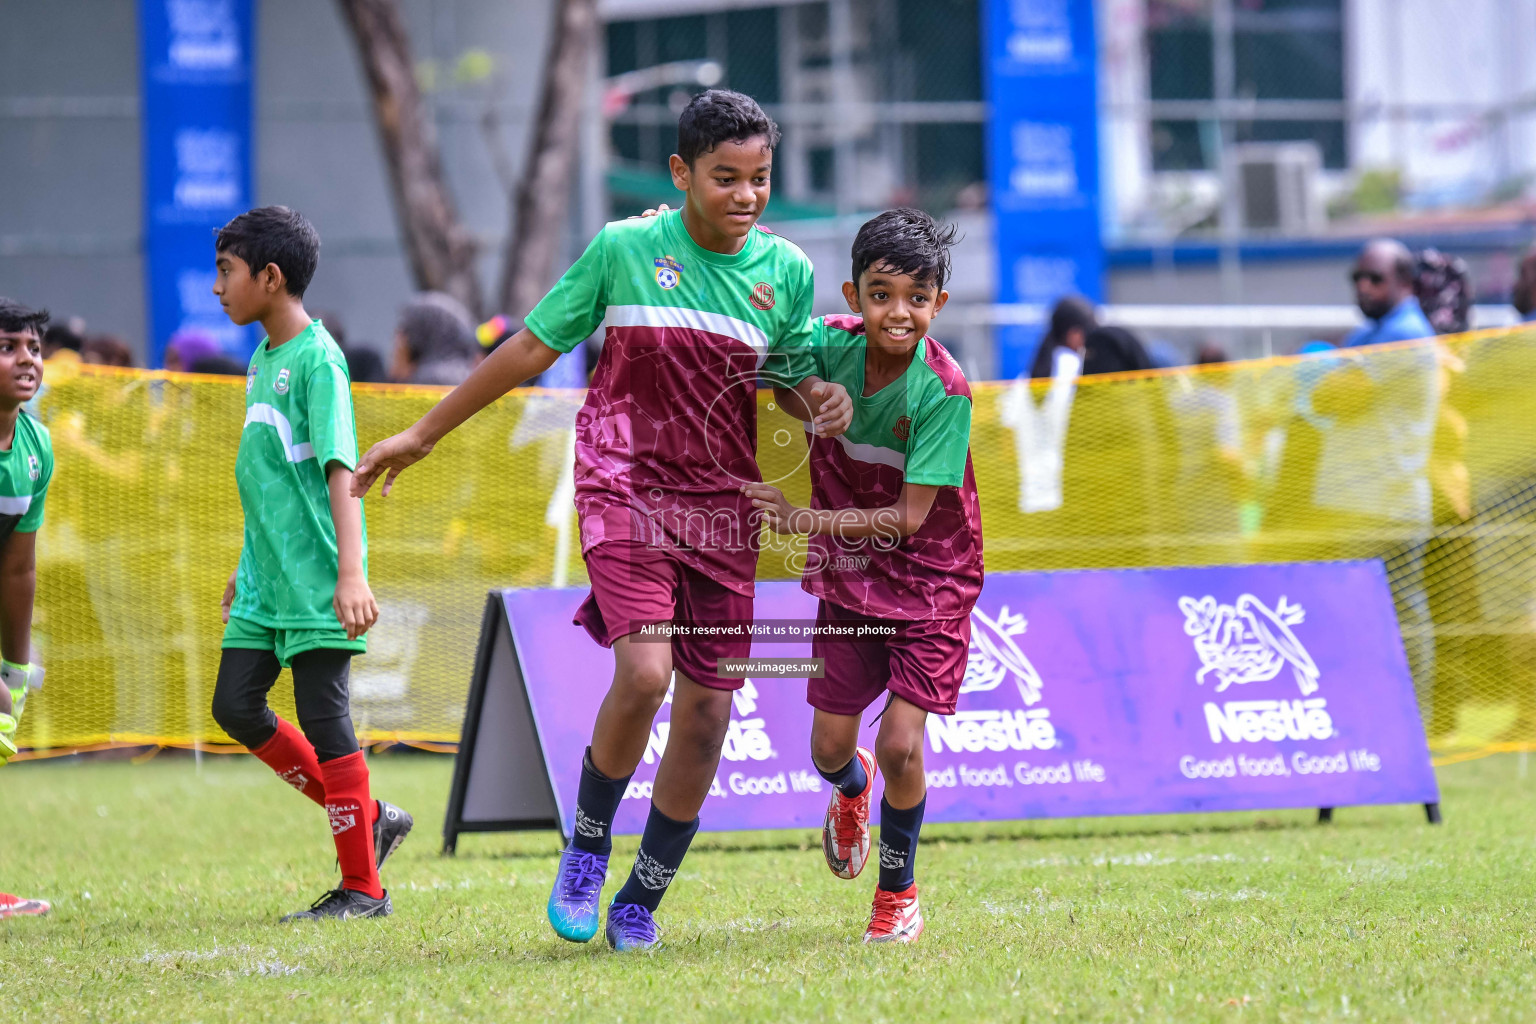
<point>1277,186</point>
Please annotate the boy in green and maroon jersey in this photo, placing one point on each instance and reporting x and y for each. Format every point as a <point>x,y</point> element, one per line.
<point>895,542</point>
<point>26,470</point>
<point>300,596</point>
<point>698,305</point>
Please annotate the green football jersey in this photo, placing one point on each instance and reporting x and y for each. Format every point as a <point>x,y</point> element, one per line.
<point>668,432</point>
<point>298,420</point>
<point>25,471</point>
<point>915,430</point>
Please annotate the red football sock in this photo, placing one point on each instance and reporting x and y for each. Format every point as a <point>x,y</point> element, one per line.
<point>289,754</point>
<point>352,813</point>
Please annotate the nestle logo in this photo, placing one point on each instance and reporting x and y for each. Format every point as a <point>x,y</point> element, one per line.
<point>1248,721</point>
<point>971,732</point>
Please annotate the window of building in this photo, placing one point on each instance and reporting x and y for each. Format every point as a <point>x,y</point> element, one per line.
<point>1282,51</point>
<point>921,54</point>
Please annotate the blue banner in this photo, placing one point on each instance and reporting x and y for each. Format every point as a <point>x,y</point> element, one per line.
<point>197,65</point>
<point>1044,159</point>
<point>1139,691</point>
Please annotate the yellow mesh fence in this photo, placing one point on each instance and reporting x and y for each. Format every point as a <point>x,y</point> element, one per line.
<point>1422,454</point>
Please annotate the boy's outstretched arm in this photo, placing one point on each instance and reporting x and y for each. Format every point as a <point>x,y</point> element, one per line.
<point>824,405</point>
<point>519,358</point>
<point>354,604</point>
<point>18,589</point>
<point>891,522</point>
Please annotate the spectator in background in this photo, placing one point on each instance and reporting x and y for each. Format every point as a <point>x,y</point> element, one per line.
<point>105,350</point>
<point>1443,286</point>
<point>365,366</point>
<point>61,343</point>
<point>1523,299</point>
<point>1376,418</point>
<point>1210,353</point>
<point>218,364</point>
<point>1071,320</point>
<point>1383,279</point>
<point>434,341</point>
<point>1114,350</point>
<point>187,348</point>
<point>1075,328</point>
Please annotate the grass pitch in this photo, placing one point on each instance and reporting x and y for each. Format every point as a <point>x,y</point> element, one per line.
<point>167,885</point>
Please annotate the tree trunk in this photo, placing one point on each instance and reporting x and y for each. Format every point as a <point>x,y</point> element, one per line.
<point>441,250</point>
<point>543,196</point>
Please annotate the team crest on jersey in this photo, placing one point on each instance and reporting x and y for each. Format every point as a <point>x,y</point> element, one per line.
<point>34,468</point>
<point>281,384</point>
<point>668,272</point>
<point>250,378</point>
<point>903,428</point>
<point>762,295</point>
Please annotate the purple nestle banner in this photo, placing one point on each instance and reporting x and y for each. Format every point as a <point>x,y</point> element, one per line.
<point>1086,693</point>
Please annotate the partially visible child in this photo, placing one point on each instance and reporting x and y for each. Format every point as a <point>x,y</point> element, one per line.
<point>26,468</point>
<point>895,542</point>
<point>300,595</point>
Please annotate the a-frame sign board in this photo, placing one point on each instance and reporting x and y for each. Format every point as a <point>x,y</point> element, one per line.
<point>500,780</point>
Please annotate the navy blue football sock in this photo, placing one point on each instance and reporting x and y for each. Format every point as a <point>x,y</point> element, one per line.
<point>597,799</point>
<point>662,848</point>
<point>850,779</point>
<point>898,844</point>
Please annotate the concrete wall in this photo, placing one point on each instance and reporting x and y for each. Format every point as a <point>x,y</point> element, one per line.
<point>1430,51</point>
<point>70,185</point>
<point>70,193</point>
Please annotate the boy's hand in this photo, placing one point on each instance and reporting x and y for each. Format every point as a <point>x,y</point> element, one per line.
<point>229,595</point>
<point>662,208</point>
<point>354,605</point>
<point>778,513</point>
<point>390,456</point>
<point>836,414</point>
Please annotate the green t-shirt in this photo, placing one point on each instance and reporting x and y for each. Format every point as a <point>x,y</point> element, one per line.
<point>25,472</point>
<point>668,432</point>
<point>915,430</point>
<point>298,420</point>
<point>919,423</point>
<point>649,274</point>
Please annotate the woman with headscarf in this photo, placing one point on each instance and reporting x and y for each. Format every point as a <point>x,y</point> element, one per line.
<point>434,341</point>
<point>1071,321</point>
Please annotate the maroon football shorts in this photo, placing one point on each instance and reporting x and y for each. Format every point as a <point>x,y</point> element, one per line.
<point>635,584</point>
<point>923,663</point>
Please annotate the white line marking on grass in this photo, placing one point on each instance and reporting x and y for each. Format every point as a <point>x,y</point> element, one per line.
<point>1238,896</point>
<point>265,962</point>
<point>1015,908</point>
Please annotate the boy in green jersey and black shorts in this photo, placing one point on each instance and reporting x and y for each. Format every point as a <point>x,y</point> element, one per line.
<point>895,550</point>
<point>300,595</point>
<point>26,467</point>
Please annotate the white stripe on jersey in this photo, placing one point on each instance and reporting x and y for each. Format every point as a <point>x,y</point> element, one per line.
<point>750,335</point>
<point>261,412</point>
<point>871,453</point>
<point>15,506</point>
